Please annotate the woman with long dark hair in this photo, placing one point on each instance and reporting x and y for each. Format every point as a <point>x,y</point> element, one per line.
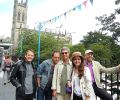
<point>81,79</point>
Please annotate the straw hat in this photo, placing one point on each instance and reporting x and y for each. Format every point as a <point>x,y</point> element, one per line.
<point>76,54</point>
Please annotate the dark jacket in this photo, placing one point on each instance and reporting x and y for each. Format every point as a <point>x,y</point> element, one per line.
<point>17,78</point>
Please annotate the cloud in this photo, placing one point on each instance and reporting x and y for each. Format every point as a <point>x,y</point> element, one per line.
<point>4,1</point>
<point>5,24</point>
<point>41,10</point>
<point>5,17</point>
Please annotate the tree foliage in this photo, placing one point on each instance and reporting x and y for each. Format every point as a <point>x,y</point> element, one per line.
<point>97,37</point>
<point>117,2</point>
<point>101,53</point>
<point>78,47</point>
<point>110,23</point>
<point>104,46</point>
<point>48,43</point>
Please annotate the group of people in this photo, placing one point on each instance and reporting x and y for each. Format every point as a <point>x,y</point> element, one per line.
<point>77,78</point>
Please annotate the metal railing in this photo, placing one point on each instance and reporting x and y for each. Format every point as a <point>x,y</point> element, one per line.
<point>111,83</point>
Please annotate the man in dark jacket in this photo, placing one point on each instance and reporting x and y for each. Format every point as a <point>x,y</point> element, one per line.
<point>22,77</point>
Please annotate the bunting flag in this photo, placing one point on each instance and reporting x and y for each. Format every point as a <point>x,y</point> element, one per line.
<point>50,21</point>
<point>69,12</point>
<point>74,9</point>
<point>91,2</point>
<point>65,15</point>
<point>79,7</point>
<point>85,3</point>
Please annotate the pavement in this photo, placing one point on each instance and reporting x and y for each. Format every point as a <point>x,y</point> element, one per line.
<point>7,91</point>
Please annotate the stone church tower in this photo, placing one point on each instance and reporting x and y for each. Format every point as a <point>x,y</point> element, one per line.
<point>19,20</point>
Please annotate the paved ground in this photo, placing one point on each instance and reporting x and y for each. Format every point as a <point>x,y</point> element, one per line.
<point>7,92</point>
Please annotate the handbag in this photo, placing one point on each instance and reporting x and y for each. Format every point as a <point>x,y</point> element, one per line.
<point>68,90</point>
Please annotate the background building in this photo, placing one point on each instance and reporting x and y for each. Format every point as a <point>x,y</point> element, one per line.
<point>62,35</point>
<point>19,21</point>
<point>5,43</point>
<point>19,26</point>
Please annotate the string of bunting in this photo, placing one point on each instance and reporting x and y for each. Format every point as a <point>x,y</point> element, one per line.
<point>50,21</point>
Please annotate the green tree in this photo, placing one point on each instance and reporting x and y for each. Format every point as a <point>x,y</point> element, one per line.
<point>110,22</point>
<point>48,43</point>
<point>28,40</point>
<point>117,2</point>
<point>104,41</point>
<point>101,53</point>
<point>78,47</point>
<point>97,37</point>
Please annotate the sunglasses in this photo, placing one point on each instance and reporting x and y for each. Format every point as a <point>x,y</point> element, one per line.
<point>64,52</point>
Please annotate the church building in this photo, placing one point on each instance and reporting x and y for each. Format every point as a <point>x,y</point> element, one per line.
<point>19,20</point>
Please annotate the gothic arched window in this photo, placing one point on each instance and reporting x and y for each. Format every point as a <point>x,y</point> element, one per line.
<point>23,17</point>
<point>18,17</point>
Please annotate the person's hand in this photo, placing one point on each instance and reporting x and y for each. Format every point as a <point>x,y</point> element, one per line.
<point>69,84</point>
<point>119,65</point>
<point>87,98</point>
<point>54,93</point>
<point>20,91</point>
<point>38,81</point>
<point>38,85</point>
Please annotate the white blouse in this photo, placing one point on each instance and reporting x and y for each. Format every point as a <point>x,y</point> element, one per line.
<point>76,85</point>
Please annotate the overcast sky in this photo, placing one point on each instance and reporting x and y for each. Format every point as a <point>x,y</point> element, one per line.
<point>79,22</point>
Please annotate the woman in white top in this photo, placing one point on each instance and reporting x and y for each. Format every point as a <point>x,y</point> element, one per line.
<point>81,80</point>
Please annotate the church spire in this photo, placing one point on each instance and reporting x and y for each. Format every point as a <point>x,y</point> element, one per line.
<point>15,1</point>
<point>19,20</point>
<point>26,2</point>
<point>21,1</point>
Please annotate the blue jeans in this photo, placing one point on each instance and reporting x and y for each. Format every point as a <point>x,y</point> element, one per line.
<point>44,94</point>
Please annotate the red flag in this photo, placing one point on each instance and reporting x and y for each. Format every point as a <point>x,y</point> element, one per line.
<point>85,3</point>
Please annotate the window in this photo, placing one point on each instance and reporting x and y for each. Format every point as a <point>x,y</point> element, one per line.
<point>23,17</point>
<point>18,17</point>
